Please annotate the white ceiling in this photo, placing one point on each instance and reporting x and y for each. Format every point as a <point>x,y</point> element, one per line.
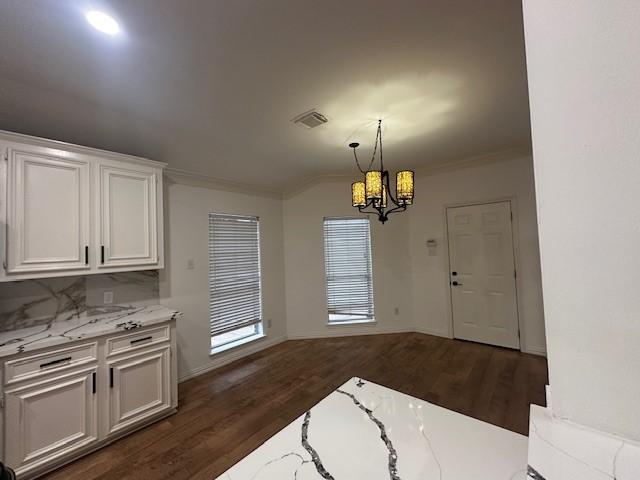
<point>211,86</point>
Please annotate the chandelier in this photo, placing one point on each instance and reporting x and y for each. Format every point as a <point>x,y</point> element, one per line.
<point>374,193</point>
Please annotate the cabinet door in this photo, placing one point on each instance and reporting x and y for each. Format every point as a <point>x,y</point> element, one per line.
<point>139,388</point>
<point>50,419</point>
<point>128,224</point>
<point>48,211</point>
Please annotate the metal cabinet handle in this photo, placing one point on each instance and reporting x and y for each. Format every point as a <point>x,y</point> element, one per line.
<point>110,377</point>
<point>138,340</point>
<point>55,362</point>
<point>93,378</point>
<point>101,253</point>
<point>86,254</point>
<point>456,284</point>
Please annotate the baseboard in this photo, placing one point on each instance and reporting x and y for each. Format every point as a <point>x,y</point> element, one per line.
<point>541,351</point>
<point>435,333</point>
<point>343,331</point>
<point>232,356</point>
<point>346,332</point>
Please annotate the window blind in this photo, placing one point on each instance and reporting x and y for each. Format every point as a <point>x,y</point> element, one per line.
<point>234,272</point>
<point>347,249</point>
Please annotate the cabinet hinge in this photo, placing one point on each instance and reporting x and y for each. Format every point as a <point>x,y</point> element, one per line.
<point>511,216</point>
<point>2,401</point>
<point>515,274</point>
<point>4,264</point>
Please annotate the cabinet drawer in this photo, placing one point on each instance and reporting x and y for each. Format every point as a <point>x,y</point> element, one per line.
<point>38,365</point>
<point>137,339</point>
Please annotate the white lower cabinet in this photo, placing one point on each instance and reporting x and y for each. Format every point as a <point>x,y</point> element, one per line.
<point>139,387</point>
<point>50,419</point>
<point>64,402</point>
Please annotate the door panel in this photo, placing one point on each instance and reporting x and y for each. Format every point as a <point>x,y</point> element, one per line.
<point>484,305</point>
<point>139,388</point>
<point>48,212</point>
<point>50,419</point>
<point>128,217</point>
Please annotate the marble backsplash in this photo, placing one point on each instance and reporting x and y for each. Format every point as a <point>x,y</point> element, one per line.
<point>37,302</point>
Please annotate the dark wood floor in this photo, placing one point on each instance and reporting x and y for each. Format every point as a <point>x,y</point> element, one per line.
<point>227,413</point>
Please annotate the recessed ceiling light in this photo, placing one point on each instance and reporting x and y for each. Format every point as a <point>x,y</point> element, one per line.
<point>103,22</point>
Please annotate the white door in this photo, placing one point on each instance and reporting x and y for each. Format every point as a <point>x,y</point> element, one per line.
<point>139,388</point>
<point>482,274</point>
<point>128,224</point>
<point>48,211</point>
<point>50,419</point>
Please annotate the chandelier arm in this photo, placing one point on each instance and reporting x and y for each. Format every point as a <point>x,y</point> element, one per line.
<point>399,208</point>
<point>391,197</point>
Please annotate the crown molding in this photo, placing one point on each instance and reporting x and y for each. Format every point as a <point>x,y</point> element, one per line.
<point>184,177</point>
<point>448,166</point>
<point>80,149</point>
<point>311,182</point>
<point>475,161</point>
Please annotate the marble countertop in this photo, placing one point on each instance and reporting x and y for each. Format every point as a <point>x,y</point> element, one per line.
<point>63,331</point>
<point>364,431</point>
<point>561,450</point>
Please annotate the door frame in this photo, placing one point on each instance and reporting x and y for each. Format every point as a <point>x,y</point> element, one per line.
<point>513,200</point>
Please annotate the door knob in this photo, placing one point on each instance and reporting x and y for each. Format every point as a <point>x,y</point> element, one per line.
<point>454,273</point>
<point>456,284</point>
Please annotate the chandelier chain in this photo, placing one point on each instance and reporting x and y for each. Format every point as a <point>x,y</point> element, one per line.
<point>375,149</point>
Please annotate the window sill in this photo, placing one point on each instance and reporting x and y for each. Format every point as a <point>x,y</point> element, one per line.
<point>351,322</point>
<point>237,343</point>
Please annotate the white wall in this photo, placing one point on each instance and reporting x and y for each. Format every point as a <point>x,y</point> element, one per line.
<point>507,179</point>
<point>584,76</point>
<point>186,237</point>
<point>294,293</point>
<point>304,259</point>
<point>404,275</point>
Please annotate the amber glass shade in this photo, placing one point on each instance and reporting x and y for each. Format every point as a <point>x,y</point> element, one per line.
<point>404,186</point>
<point>357,194</point>
<point>373,184</point>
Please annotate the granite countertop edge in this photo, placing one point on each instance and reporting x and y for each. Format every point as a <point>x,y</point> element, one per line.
<point>59,332</point>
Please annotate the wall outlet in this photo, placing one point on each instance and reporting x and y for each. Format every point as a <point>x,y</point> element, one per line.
<point>396,311</point>
<point>107,298</point>
<point>190,264</point>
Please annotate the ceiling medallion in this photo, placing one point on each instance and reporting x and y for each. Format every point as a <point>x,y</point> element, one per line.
<point>375,192</point>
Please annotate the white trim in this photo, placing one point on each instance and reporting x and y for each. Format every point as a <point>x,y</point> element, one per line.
<point>347,332</point>
<point>237,343</point>
<point>183,177</point>
<point>223,358</point>
<point>427,170</point>
<point>351,322</point>
<point>433,333</point>
<point>515,236</point>
<point>81,149</point>
<point>535,350</point>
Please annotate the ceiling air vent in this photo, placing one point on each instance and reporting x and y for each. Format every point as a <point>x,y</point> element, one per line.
<point>310,119</point>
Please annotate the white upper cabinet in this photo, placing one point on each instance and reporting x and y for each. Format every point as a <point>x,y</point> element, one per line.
<point>69,210</point>
<point>47,211</point>
<point>128,218</point>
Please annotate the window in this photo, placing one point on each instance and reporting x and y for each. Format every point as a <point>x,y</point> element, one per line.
<point>235,305</point>
<point>347,258</point>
